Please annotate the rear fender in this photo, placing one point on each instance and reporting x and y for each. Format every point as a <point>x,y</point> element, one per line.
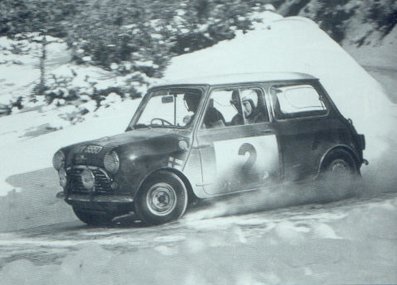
<point>343,147</point>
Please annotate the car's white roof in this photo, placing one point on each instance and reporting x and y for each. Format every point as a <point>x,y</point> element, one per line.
<point>239,78</point>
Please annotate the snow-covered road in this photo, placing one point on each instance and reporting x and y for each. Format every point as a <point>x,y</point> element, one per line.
<point>353,240</point>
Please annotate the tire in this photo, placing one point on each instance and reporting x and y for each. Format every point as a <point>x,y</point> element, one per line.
<point>340,163</point>
<point>340,174</point>
<point>92,219</point>
<point>161,199</point>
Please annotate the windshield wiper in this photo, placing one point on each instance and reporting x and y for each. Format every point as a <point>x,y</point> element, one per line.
<point>163,126</point>
<point>141,126</point>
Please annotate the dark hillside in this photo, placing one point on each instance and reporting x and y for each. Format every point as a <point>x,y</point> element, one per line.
<point>120,31</point>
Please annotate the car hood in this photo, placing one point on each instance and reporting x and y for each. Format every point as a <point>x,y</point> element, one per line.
<point>134,136</point>
<point>141,141</point>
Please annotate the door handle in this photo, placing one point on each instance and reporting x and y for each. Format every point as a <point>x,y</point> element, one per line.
<point>266,132</point>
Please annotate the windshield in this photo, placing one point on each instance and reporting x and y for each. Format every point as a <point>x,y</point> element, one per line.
<point>170,108</point>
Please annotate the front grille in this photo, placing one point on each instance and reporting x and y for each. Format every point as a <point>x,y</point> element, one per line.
<point>102,181</point>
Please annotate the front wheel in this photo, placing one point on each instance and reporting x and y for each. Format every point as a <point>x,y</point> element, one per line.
<point>161,199</point>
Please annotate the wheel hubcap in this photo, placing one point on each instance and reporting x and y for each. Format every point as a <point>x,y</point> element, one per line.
<point>161,199</point>
<point>340,166</point>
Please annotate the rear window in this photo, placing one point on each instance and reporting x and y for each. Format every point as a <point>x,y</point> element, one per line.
<point>296,101</point>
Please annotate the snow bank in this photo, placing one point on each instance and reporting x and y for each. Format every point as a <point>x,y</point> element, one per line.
<point>28,135</point>
<point>24,153</point>
<point>296,44</point>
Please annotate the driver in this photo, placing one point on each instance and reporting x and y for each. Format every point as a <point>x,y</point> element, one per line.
<point>213,118</point>
<point>192,102</point>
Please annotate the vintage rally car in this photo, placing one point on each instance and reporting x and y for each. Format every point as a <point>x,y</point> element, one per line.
<point>205,138</point>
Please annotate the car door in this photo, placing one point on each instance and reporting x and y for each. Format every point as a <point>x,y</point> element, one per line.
<point>239,152</point>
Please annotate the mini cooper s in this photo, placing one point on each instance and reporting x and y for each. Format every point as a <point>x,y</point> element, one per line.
<point>207,137</point>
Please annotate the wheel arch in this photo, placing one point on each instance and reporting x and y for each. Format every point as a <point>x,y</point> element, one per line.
<point>191,195</point>
<point>329,152</point>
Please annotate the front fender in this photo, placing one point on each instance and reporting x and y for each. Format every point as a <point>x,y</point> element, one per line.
<point>134,172</point>
<point>178,172</point>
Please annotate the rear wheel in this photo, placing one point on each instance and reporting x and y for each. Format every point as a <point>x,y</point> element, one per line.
<point>340,163</point>
<point>161,199</point>
<point>93,219</point>
<point>340,172</point>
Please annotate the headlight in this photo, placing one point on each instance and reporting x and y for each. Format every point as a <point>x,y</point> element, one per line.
<point>111,162</point>
<point>88,179</point>
<point>58,161</point>
<point>63,179</point>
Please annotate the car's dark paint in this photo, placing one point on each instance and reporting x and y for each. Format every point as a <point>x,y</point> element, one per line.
<point>316,135</point>
<point>144,151</point>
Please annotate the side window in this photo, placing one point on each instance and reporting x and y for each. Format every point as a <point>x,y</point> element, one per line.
<point>234,107</point>
<point>296,101</point>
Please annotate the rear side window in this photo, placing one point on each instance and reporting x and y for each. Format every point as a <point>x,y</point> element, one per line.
<point>296,101</point>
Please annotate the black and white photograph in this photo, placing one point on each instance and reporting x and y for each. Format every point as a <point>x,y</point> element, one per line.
<point>236,142</point>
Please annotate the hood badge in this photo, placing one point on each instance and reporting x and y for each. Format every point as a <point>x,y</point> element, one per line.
<point>93,149</point>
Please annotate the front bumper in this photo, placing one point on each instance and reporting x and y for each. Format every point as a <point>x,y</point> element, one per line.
<point>122,199</point>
